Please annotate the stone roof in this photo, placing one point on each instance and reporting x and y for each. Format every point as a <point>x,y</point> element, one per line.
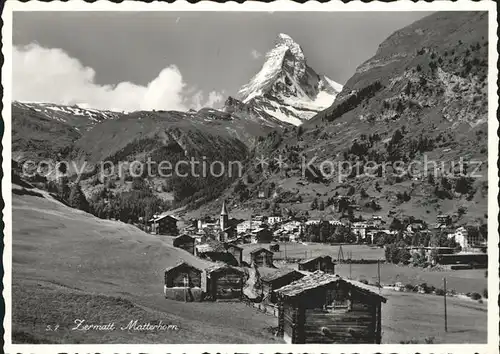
<point>281,272</point>
<point>261,249</point>
<point>305,261</point>
<point>211,246</point>
<point>319,279</point>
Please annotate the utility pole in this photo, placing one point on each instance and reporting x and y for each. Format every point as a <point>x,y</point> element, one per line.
<point>350,264</point>
<point>340,255</point>
<point>445,310</point>
<point>378,272</point>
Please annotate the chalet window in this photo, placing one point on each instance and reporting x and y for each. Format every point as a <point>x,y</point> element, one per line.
<point>338,299</point>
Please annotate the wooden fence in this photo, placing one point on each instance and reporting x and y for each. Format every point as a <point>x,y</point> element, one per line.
<point>268,309</point>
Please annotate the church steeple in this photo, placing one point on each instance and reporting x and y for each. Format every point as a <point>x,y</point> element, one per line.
<point>224,209</point>
<point>224,216</point>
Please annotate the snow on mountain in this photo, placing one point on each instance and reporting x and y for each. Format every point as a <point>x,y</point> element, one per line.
<point>74,115</point>
<point>286,88</point>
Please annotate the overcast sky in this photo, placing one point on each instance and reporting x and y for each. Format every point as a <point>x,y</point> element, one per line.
<point>178,60</point>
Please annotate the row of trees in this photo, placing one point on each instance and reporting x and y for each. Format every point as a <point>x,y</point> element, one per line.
<point>328,233</point>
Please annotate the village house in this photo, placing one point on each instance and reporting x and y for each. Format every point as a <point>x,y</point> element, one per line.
<point>224,282</point>
<point>323,263</point>
<point>261,257</point>
<point>164,225</point>
<point>292,226</point>
<point>461,236</point>
<point>259,218</point>
<point>335,222</point>
<point>215,251</point>
<point>276,219</point>
<point>377,221</point>
<point>262,235</point>
<point>276,280</point>
<point>443,219</point>
<point>415,227</point>
<point>185,242</point>
<point>242,239</point>
<point>183,282</point>
<point>248,226</point>
<point>207,224</point>
<point>325,308</point>
<point>359,229</point>
<point>235,251</point>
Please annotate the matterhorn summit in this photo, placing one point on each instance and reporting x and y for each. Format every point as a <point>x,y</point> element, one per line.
<point>286,88</point>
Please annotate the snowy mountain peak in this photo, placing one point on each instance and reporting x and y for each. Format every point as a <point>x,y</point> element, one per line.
<point>287,41</point>
<point>286,87</point>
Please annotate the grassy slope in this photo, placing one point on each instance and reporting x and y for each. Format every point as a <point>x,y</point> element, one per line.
<point>36,136</point>
<point>407,315</point>
<point>68,264</point>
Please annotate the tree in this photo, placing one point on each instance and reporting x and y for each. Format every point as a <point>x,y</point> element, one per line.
<point>314,204</point>
<point>77,198</point>
<point>300,131</point>
<point>396,224</point>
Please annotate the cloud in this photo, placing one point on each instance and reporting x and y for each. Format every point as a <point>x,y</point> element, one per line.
<point>255,54</point>
<point>213,100</point>
<point>51,75</point>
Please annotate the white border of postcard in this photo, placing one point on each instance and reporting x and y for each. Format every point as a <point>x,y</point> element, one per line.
<point>281,5</point>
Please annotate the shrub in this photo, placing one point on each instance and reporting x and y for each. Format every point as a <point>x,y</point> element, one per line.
<point>409,287</point>
<point>429,340</point>
<point>475,296</point>
<point>485,293</point>
<point>439,292</point>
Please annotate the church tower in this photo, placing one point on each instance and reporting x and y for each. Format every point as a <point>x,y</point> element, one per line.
<point>224,217</point>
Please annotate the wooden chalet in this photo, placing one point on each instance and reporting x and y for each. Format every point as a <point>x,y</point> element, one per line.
<point>323,263</point>
<point>185,242</point>
<point>262,235</point>
<point>216,251</point>
<point>262,257</point>
<point>276,280</point>
<point>236,251</point>
<point>164,225</point>
<point>274,247</point>
<point>184,282</point>
<point>224,282</point>
<point>325,308</point>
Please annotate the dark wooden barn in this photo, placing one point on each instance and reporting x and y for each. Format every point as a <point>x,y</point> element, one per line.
<point>185,242</point>
<point>262,257</point>
<point>216,251</point>
<point>184,282</point>
<point>164,225</point>
<point>262,235</point>
<point>235,251</point>
<point>274,247</point>
<point>323,263</point>
<point>276,280</point>
<point>224,282</point>
<point>325,308</point>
